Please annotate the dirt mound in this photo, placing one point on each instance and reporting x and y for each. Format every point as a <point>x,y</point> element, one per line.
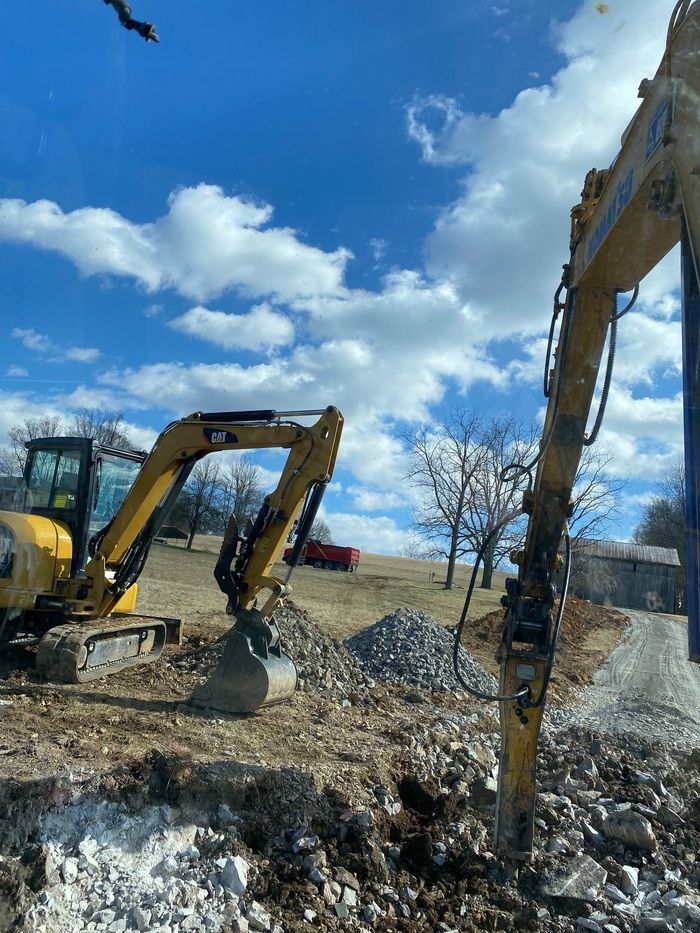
<point>587,635</point>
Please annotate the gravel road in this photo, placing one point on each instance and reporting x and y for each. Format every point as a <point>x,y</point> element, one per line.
<point>646,687</point>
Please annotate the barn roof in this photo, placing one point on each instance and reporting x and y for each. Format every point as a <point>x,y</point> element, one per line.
<point>626,550</point>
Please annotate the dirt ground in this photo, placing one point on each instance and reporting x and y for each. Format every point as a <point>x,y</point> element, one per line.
<point>133,734</point>
<point>120,718</point>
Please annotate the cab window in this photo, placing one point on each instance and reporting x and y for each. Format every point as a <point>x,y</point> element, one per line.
<point>114,478</point>
<point>53,480</point>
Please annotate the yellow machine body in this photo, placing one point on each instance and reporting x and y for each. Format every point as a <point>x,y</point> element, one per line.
<point>37,554</point>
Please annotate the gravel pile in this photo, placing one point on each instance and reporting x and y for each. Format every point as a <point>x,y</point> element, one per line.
<point>407,647</point>
<point>324,666</point>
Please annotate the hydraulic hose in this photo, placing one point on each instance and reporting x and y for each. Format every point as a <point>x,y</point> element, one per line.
<point>522,695</point>
<point>489,697</point>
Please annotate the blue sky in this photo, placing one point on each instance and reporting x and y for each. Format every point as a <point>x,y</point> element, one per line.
<point>299,204</point>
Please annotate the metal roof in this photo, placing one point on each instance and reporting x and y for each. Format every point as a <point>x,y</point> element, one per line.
<point>626,550</point>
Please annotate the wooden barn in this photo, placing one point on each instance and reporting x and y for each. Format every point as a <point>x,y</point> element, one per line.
<point>626,575</point>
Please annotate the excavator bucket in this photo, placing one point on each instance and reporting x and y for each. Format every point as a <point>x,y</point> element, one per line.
<point>253,671</point>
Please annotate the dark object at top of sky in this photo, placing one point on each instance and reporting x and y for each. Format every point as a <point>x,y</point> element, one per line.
<point>147,30</point>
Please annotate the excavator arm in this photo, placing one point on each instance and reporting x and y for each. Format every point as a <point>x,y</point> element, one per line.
<point>629,217</point>
<point>254,672</point>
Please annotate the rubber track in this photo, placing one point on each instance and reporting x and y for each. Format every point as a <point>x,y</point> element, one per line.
<point>59,650</point>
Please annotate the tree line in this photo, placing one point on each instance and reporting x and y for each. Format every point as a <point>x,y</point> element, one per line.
<point>456,467</point>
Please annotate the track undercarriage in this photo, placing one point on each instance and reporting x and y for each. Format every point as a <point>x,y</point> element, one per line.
<point>78,652</point>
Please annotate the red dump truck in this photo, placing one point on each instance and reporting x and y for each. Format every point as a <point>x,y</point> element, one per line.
<point>328,556</point>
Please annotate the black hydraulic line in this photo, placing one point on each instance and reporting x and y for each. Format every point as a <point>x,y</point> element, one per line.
<point>557,624</point>
<point>489,697</point>
<point>591,438</point>
<point>558,307</point>
<point>267,414</point>
<point>520,469</point>
<point>522,694</point>
<point>306,521</point>
<point>628,306</point>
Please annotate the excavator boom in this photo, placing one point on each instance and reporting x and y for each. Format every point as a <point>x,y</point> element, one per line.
<point>629,217</point>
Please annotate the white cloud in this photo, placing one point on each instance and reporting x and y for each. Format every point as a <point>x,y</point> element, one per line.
<point>15,407</point>
<point>41,343</point>
<point>206,244</point>
<point>643,434</point>
<point>429,121</point>
<point>16,372</point>
<point>365,499</point>
<point>31,340</point>
<point>261,328</point>
<point>378,247</point>
<point>153,310</point>
<point>81,354</point>
<point>376,534</point>
<point>503,241</point>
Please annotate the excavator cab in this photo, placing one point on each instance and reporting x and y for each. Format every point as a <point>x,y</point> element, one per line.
<point>80,483</point>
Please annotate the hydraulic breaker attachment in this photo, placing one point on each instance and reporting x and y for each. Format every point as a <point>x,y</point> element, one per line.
<point>253,671</point>
<point>517,768</point>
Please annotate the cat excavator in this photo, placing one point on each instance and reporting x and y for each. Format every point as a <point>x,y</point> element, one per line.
<point>629,217</point>
<point>70,558</point>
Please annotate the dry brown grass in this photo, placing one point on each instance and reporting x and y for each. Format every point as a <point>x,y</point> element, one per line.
<point>181,582</point>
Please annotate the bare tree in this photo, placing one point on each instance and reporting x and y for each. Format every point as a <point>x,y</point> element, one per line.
<point>417,549</point>
<point>457,466</point>
<point>105,425</point>
<point>443,459</point>
<point>502,440</point>
<point>198,504</point>
<point>241,492</point>
<point>321,532</point>
<point>13,457</point>
<point>591,577</point>
<point>663,523</point>
<point>597,493</point>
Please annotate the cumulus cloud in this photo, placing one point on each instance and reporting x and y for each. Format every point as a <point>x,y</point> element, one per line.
<point>206,244</point>
<point>365,499</point>
<point>31,340</point>
<point>42,344</point>
<point>259,329</point>
<point>377,534</point>
<point>16,372</point>
<point>502,242</point>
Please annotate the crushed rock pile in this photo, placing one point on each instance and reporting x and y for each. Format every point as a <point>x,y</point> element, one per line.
<point>324,666</point>
<point>410,648</point>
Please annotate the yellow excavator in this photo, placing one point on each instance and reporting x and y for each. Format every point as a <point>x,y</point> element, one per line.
<point>71,558</point>
<point>630,216</point>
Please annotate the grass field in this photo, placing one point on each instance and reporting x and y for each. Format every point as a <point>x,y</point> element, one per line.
<point>340,603</point>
